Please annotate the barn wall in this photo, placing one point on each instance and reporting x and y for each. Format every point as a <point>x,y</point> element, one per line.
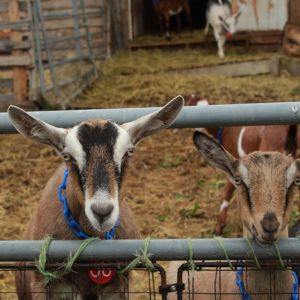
<point>15,46</point>
<point>263,14</point>
<point>294,12</point>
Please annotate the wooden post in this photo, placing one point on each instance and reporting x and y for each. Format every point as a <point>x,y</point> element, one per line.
<point>20,80</point>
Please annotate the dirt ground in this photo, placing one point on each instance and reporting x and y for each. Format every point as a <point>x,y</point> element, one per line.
<point>172,193</point>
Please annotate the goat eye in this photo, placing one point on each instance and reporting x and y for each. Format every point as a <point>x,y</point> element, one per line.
<point>297,181</point>
<point>130,151</point>
<point>237,180</point>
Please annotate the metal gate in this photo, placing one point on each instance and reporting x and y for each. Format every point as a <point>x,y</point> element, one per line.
<point>68,37</point>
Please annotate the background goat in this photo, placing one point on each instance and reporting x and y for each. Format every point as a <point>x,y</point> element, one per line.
<point>223,22</point>
<point>96,153</point>
<point>167,8</point>
<point>266,183</point>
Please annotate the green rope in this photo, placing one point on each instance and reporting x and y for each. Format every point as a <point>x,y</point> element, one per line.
<point>253,254</point>
<point>142,258</point>
<point>221,245</point>
<point>191,263</point>
<point>65,268</point>
<point>279,256</point>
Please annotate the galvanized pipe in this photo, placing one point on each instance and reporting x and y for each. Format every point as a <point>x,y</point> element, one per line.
<point>168,249</point>
<point>190,117</point>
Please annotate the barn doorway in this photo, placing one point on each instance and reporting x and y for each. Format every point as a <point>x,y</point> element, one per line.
<point>145,21</point>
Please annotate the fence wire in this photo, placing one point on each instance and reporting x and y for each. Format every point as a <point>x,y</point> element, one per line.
<point>206,281</point>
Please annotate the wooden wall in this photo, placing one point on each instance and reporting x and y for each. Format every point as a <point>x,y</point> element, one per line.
<point>15,45</point>
<point>49,48</point>
<point>294,12</point>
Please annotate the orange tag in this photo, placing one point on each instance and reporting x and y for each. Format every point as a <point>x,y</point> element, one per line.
<point>101,276</point>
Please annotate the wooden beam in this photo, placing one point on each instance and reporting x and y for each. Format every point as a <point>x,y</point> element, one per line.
<point>20,80</point>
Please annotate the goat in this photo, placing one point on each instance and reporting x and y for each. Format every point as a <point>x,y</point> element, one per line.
<point>240,140</point>
<point>167,8</point>
<point>223,22</point>
<point>96,153</point>
<point>266,184</point>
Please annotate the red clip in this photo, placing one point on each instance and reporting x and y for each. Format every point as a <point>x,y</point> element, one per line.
<point>101,276</point>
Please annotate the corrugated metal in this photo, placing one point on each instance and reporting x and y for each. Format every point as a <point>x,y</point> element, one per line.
<point>263,14</point>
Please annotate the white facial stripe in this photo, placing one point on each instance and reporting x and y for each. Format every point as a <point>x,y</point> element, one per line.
<point>244,173</point>
<point>123,143</point>
<point>74,147</point>
<point>240,149</point>
<point>290,174</point>
<point>101,198</point>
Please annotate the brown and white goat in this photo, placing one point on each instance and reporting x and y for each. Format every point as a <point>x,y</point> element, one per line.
<point>167,8</point>
<point>239,141</point>
<point>96,153</point>
<point>266,183</point>
<point>243,140</point>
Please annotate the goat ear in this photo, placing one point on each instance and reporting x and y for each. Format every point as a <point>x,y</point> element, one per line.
<point>154,122</point>
<point>215,154</point>
<point>237,14</point>
<point>35,129</point>
<point>221,19</point>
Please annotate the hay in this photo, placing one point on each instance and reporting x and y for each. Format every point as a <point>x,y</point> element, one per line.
<point>140,79</point>
<point>169,189</point>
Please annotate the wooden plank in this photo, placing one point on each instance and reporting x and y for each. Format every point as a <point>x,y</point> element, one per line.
<point>67,4</point>
<point>6,99</point>
<point>21,25</point>
<point>7,46</point>
<point>246,68</point>
<point>265,38</point>
<point>68,24</point>
<point>3,7</point>
<point>6,83</point>
<point>91,12</point>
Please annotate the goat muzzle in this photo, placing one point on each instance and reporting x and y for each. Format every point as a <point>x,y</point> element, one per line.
<point>102,212</point>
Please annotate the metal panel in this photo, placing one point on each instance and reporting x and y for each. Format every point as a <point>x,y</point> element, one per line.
<point>189,117</point>
<point>263,15</point>
<point>167,249</point>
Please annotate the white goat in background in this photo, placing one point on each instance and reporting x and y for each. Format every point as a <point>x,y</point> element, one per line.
<point>223,22</point>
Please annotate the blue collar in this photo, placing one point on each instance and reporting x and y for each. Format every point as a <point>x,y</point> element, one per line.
<point>245,296</point>
<point>70,219</point>
<point>220,134</point>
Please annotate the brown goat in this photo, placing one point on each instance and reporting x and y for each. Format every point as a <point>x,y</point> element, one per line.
<point>96,153</point>
<point>243,140</point>
<point>266,184</point>
<point>167,8</point>
<point>239,141</point>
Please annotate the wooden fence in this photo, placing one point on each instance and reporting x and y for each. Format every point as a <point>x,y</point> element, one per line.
<point>49,48</point>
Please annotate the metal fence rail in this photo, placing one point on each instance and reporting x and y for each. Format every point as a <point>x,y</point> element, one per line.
<point>190,117</point>
<point>167,249</point>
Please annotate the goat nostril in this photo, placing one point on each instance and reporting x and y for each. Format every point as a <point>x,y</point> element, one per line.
<point>103,211</point>
<point>270,223</point>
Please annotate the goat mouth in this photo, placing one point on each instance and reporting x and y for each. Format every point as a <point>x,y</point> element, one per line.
<point>260,241</point>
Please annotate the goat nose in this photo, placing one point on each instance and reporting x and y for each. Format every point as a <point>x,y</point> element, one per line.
<point>270,223</point>
<point>103,211</point>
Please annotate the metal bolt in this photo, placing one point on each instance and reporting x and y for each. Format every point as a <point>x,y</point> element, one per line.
<point>173,288</point>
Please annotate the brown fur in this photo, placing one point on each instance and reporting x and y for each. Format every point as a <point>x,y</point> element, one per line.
<point>267,187</point>
<point>164,6</point>
<point>29,282</point>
